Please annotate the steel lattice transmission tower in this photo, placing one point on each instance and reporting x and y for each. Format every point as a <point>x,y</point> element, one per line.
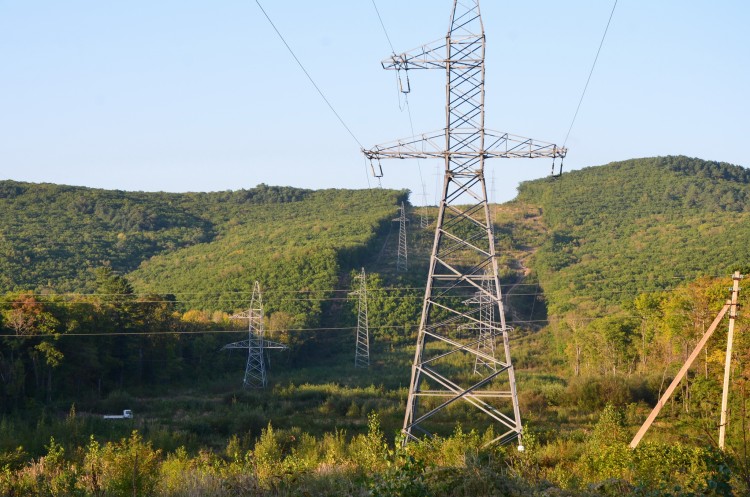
<point>485,328</point>
<point>424,220</point>
<point>402,262</point>
<point>362,348</point>
<point>256,345</point>
<point>463,249</point>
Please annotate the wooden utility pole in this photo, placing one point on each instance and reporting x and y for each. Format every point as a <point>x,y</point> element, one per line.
<point>677,379</point>
<point>736,277</point>
<point>731,306</point>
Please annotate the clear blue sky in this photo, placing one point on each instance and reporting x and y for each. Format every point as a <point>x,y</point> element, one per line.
<point>200,96</point>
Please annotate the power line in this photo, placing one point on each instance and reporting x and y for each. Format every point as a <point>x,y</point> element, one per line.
<point>239,293</point>
<point>320,92</point>
<point>333,299</point>
<point>393,50</point>
<point>245,292</point>
<point>324,299</point>
<point>406,327</point>
<point>419,162</point>
<point>590,73</point>
<point>200,332</point>
<point>406,100</point>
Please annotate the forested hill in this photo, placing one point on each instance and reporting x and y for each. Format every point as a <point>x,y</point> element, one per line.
<point>644,224</point>
<point>299,251</point>
<point>613,232</point>
<point>53,236</point>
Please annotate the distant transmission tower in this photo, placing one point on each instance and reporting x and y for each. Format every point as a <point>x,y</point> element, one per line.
<point>424,219</point>
<point>255,370</point>
<point>362,349</point>
<point>486,329</point>
<point>463,249</point>
<point>402,260</point>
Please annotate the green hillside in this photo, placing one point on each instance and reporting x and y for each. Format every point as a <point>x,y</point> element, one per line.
<point>289,247</point>
<point>639,225</point>
<point>53,235</point>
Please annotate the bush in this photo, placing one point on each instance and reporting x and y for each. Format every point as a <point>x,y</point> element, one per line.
<point>127,467</point>
<point>594,393</point>
<point>404,476</point>
<point>369,451</point>
<point>267,457</point>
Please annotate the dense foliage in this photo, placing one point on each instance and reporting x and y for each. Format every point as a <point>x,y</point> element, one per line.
<point>130,332</point>
<point>638,225</point>
<point>297,250</point>
<point>52,236</point>
<point>290,462</point>
<point>59,346</point>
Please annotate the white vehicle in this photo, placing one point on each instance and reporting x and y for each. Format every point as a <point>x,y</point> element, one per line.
<point>126,414</point>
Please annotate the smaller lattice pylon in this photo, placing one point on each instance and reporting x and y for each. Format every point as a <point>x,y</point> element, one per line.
<point>362,348</point>
<point>256,344</point>
<point>424,219</point>
<point>402,259</point>
<point>485,326</point>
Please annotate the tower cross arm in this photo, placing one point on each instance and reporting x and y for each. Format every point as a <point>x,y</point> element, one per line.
<point>429,56</point>
<point>497,144</point>
<point>270,344</point>
<point>245,344</point>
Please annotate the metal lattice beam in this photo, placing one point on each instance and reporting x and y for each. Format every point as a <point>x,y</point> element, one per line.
<point>485,328</point>
<point>463,250</point>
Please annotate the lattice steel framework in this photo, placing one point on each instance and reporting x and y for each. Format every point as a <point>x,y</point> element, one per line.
<point>402,262</point>
<point>424,220</point>
<point>485,328</point>
<point>463,248</point>
<point>256,345</point>
<point>362,348</point>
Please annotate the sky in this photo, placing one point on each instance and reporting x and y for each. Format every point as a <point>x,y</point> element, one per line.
<point>189,95</point>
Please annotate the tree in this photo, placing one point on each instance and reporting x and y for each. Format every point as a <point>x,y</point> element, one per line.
<point>648,307</point>
<point>32,348</point>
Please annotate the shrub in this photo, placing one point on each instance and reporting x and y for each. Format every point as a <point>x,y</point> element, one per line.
<point>369,451</point>
<point>267,456</point>
<point>593,394</point>
<point>129,467</point>
<point>404,475</point>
